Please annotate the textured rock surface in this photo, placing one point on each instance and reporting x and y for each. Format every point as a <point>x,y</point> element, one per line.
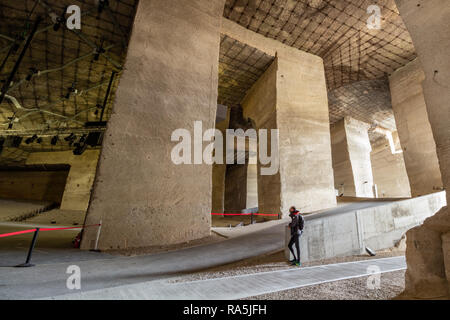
<point>170,81</point>
<point>389,172</point>
<point>425,276</point>
<point>414,129</point>
<point>428,23</point>
<point>446,251</point>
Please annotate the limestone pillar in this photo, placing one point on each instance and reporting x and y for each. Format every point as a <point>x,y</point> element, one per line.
<point>252,186</point>
<point>219,169</point>
<point>351,149</point>
<point>428,23</point>
<point>77,191</point>
<point>389,171</point>
<point>236,188</point>
<point>414,129</point>
<point>170,80</point>
<point>218,187</point>
<point>241,179</point>
<point>291,96</point>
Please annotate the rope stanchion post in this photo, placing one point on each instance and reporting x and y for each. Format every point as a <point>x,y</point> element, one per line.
<point>36,232</point>
<point>98,236</point>
<point>251,219</point>
<point>30,252</point>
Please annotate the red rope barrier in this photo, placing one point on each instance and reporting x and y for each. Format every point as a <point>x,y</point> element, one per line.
<point>244,214</point>
<point>17,232</point>
<point>44,229</point>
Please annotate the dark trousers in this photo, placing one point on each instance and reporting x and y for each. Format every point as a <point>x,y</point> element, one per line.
<point>295,239</point>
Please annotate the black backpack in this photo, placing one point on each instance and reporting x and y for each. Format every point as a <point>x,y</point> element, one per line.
<point>301,222</point>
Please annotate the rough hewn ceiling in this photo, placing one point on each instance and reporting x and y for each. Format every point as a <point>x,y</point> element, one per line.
<point>335,30</point>
<point>367,100</point>
<point>357,60</point>
<point>240,66</point>
<point>64,74</point>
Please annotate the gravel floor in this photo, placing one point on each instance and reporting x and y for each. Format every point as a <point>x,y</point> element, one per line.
<point>270,262</point>
<point>391,285</point>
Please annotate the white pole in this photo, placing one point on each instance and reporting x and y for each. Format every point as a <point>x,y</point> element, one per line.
<point>98,235</point>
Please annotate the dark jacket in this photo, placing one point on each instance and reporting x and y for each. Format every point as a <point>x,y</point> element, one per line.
<point>296,223</point>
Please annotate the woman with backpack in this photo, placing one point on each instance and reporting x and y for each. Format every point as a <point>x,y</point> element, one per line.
<point>296,227</point>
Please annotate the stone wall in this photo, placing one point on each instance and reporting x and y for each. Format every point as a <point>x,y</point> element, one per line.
<point>414,130</point>
<point>351,149</point>
<point>170,80</point>
<point>33,185</point>
<point>389,172</point>
<point>77,191</point>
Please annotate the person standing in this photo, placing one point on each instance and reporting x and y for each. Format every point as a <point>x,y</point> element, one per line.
<point>296,226</point>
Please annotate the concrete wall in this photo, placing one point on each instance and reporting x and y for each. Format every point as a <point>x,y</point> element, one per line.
<point>77,191</point>
<point>428,23</point>
<point>414,129</point>
<point>389,172</point>
<point>351,149</point>
<point>376,227</point>
<point>170,80</point>
<point>33,185</point>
